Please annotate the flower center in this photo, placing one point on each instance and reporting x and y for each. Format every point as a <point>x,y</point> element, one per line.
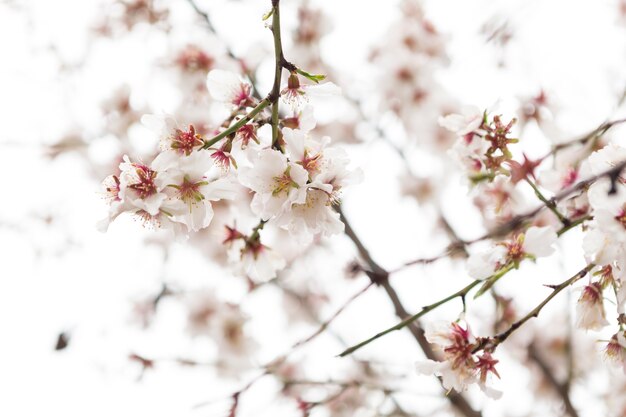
<point>242,96</point>
<point>283,183</point>
<point>144,186</point>
<point>311,163</point>
<point>189,191</point>
<point>185,141</point>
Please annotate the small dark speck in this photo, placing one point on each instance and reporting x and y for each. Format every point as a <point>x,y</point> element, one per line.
<point>62,341</point>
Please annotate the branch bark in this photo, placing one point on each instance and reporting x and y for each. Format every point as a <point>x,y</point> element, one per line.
<point>380,276</point>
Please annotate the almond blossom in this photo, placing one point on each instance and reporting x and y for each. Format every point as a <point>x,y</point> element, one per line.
<point>189,190</point>
<point>142,186</point>
<point>605,242</point>
<point>615,350</point>
<point>590,308</point>
<point>462,124</point>
<point>255,260</point>
<point>277,183</point>
<point>327,175</point>
<point>250,256</point>
<point>296,95</point>
<point>173,137</point>
<point>535,243</point>
<point>460,367</point>
<point>303,120</point>
<point>229,87</point>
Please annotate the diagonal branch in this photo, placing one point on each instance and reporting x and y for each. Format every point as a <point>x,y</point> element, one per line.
<point>380,276</point>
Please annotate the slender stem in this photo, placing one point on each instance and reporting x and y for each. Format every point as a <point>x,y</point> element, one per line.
<point>573,224</point>
<point>232,129</point>
<point>594,134</point>
<point>326,323</point>
<point>499,338</point>
<point>380,276</point>
<point>278,69</point>
<point>548,203</point>
<point>461,293</point>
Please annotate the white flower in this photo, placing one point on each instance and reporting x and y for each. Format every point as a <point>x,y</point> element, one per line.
<point>111,190</point>
<point>536,242</point>
<point>277,183</point>
<point>460,367</point>
<point>482,265</point>
<point>303,150</point>
<point>462,124</point>
<point>334,171</point>
<point>229,87</point>
<point>296,95</point>
<point>602,248</point>
<point>606,158</point>
<point>605,242</point>
<point>615,350</point>
<point>189,191</point>
<point>328,174</point>
<point>567,169</point>
<point>304,120</point>
<point>470,151</point>
<point>590,308</point>
<point>315,215</point>
<point>171,136</point>
<point>539,241</point>
<point>451,378</point>
<point>255,260</point>
<point>141,186</point>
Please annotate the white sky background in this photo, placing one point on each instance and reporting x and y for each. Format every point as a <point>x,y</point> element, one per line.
<point>67,276</point>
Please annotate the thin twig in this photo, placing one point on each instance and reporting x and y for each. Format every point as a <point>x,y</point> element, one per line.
<point>327,322</point>
<point>493,342</point>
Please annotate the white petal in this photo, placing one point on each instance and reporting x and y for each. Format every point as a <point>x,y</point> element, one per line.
<point>223,84</point>
<point>538,241</point>
<point>323,90</point>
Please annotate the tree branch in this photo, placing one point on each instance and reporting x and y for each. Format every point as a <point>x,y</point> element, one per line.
<point>380,276</point>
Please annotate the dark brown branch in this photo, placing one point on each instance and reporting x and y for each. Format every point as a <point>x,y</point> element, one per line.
<point>380,276</point>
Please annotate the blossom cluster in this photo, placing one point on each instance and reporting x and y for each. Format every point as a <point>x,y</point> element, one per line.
<point>293,181</point>
<point>237,176</point>
<point>482,150</point>
<point>461,365</point>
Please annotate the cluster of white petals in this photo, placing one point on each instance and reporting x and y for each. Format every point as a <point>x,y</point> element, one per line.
<point>535,243</point>
<point>461,367</point>
<point>293,183</point>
